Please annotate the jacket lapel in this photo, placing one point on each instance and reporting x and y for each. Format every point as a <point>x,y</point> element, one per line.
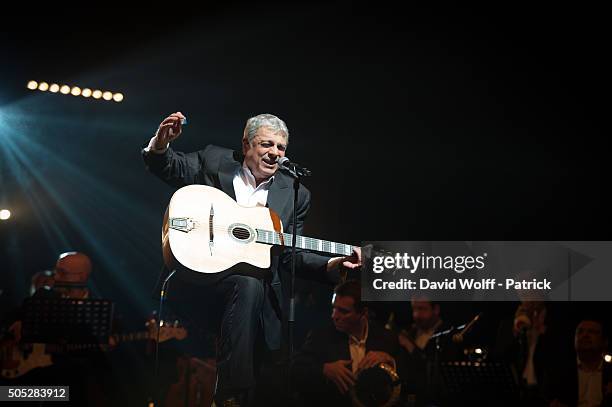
<point>227,169</point>
<point>339,346</point>
<point>278,197</point>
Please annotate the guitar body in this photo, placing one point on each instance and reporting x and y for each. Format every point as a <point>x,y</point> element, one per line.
<point>21,363</point>
<point>207,232</point>
<point>17,360</point>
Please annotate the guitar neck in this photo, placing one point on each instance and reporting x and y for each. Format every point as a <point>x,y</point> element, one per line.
<point>134,336</point>
<point>119,338</point>
<point>302,242</point>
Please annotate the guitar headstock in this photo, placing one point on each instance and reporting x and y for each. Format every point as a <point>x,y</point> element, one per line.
<point>168,330</point>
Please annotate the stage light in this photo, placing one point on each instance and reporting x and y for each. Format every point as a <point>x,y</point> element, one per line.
<point>478,351</point>
<point>75,91</point>
<point>608,358</point>
<point>5,214</point>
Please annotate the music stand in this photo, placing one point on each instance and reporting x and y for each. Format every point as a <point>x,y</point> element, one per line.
<point>487,383</point>
<point>67,321</point>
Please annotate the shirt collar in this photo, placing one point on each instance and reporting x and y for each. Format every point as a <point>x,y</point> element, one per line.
<point>249,178</point>
<point>353,339</point>
<point>579,363</point>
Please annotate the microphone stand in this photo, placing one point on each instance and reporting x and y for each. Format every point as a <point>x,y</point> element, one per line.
<point>162,297</point>
<point>296,173</point>
<point>433,364</point>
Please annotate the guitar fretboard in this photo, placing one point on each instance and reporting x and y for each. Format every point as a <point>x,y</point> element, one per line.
<point>119,338</point>
<point>302,242</point>
<point>134,336</point>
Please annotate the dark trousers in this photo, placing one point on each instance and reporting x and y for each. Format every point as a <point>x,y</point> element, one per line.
<point>231,310</point>
<point>242,298</point>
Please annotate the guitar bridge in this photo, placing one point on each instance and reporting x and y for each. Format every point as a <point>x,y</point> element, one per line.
<point>211,241</point>
<point>181,224</point>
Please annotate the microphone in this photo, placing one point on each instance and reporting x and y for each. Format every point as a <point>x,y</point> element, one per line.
<point>459,337</point>
<point>285,163</point>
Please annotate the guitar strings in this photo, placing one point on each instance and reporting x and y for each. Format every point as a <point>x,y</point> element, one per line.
<point>225,229</point>
<point>287,237</point>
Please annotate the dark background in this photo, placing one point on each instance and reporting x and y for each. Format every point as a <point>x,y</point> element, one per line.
<point>417,123</point>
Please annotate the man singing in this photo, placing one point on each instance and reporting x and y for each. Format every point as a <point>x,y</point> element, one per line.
<point>250,306</point>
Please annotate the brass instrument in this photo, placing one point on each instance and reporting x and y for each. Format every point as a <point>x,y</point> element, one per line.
<point>377,386</point>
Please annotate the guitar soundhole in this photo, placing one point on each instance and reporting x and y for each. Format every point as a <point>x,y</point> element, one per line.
<point>241,233</point>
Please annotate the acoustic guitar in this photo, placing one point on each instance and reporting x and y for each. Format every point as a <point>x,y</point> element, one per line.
<point>207,232</point>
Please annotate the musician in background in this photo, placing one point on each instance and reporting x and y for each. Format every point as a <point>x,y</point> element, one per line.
<point>72,271</point>
<point>327,366</point>
<point>68,280</point>
<point>250,306</point>
<point>585,380</point>
<point>417,353</point>
<point>532,343</point>
<point>42,283</point>
<point>426,322</point>
<point>86,372</point>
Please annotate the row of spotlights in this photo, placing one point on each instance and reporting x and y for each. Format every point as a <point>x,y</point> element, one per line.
<point>75,91</point>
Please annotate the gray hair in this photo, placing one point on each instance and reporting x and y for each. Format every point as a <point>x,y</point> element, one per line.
<point>265,120</point>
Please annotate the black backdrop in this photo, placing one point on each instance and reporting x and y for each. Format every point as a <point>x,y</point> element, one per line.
<point>437,124</point>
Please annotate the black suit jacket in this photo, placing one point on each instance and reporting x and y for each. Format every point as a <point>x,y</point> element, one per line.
<point>325,345</point>
<point>216,166</point>
<point>561,383</point>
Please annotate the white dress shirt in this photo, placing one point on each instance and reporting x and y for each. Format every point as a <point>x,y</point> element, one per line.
<point>248,193</point>
<point>529,373</point>
<point>357,348</point>
<point>590,392</point>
